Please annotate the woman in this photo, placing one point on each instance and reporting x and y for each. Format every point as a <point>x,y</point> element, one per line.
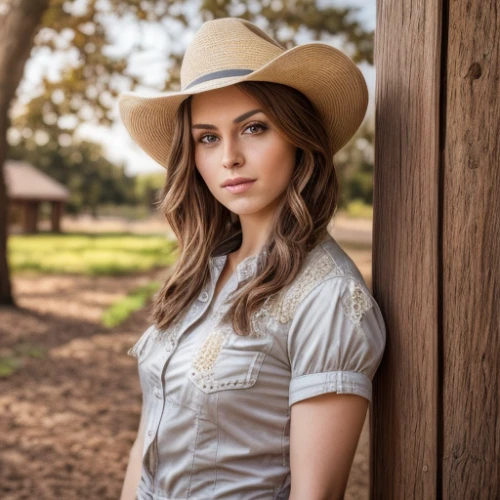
<point>256,374</point>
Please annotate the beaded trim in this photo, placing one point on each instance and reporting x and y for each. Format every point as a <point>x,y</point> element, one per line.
<point>204,361</point>
<point>169,337</point>
<point>206,355</point>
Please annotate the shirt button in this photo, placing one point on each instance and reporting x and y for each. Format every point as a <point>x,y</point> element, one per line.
<point>158,393</point>
<point>150,433</point>
<point>204,296</point>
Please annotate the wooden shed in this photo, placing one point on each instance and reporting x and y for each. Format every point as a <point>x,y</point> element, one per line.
<point>27,189</point>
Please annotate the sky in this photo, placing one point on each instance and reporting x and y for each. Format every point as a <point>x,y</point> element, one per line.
<point>118,145</point>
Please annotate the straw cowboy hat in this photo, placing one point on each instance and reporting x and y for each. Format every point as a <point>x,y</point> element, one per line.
<point>229,50</point>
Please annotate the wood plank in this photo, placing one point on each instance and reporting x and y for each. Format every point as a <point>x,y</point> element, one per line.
<point>471,254</point>
<point>404,417</point>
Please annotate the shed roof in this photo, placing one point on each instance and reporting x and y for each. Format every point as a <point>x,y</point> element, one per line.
<point>25,182</point>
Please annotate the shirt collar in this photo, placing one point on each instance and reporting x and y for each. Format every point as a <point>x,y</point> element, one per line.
<point>248,267</point>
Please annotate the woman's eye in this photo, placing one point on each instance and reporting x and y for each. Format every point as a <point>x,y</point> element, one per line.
<point>205,136</point>
<point>257,127</point>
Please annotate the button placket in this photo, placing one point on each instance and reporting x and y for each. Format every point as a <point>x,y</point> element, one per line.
<point>195,314</point>
<point>158,409</point>
<point>153,429</point>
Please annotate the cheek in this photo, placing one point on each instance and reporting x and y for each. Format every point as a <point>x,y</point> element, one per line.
<point>198,160</point>
<point>203,165</point>
<point>278,161</point>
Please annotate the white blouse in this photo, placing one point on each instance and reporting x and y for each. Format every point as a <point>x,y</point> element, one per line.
<point>217,405</point>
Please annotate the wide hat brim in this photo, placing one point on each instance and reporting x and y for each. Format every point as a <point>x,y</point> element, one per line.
<point>327,76</point>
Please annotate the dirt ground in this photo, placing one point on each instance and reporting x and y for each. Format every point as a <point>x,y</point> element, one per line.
<point>70,417</point>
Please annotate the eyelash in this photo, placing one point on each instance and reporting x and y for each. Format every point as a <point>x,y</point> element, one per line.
<point>253,124</point>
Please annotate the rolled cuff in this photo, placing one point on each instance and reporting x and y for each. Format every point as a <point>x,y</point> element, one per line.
<point>341,382</point>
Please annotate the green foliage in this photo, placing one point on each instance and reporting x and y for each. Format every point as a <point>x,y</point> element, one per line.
<point>147,187</point>
<point>81,167</point>
<point>128,212</point>
<point>359,209</point>
<point>88,254</point>
<point>122,309</point>
<point>87,89</point>
<point>354,164</point>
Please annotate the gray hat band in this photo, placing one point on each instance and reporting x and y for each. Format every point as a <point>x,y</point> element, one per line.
<point>223,73</point>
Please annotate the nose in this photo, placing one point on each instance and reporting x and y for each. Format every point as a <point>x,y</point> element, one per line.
<point>232,155</point>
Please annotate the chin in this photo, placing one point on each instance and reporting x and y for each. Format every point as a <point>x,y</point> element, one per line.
<point>243,212</point>
<point>249,210</point>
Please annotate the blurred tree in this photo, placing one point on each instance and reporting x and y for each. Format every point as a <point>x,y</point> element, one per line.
<point>147,187</point>
<point>87,89</point>
<point>354,164</point>
<point>19,20</point>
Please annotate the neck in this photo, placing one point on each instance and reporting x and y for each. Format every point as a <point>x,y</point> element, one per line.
<point>255,231</point>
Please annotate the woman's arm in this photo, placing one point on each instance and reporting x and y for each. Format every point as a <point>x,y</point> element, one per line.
<point>133,474</point>
<point>324,434</point>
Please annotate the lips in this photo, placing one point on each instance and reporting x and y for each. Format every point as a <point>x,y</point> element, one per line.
<point>240,187</point>
<point>236,181</point>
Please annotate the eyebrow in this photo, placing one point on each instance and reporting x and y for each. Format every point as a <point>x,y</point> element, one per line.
<point>238,119</point>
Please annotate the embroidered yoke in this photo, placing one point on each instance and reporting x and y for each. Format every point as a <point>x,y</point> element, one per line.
<point>217,405</point>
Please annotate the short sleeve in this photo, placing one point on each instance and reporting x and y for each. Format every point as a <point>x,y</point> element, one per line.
<point>336,340</point>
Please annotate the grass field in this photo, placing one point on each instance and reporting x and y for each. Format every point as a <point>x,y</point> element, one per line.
<point>90,254</point>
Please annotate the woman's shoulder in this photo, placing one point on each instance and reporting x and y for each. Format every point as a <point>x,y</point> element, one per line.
<point>339,262</point>
<point>327,262</point>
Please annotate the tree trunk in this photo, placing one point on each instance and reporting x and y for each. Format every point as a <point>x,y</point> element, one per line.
<point>19,20</point>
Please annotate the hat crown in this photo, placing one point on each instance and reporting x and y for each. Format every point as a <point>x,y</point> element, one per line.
<point>224,45</point>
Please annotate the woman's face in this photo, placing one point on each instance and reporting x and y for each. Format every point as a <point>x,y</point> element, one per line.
<point>233,137</point>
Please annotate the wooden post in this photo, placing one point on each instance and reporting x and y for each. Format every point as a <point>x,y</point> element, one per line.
<point>470,384</point>
<point>31,216</point>
<point>435,431</point>
<point>56,211</point>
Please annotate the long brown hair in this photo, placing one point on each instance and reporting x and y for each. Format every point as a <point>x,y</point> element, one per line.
<point>201,222</point>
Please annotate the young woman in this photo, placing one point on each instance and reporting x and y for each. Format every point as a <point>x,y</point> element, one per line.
<point>256,372</point>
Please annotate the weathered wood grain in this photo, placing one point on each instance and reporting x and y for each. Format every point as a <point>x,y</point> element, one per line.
<point>435,426</point>
<point>471,254</point>
<point>406,256</point>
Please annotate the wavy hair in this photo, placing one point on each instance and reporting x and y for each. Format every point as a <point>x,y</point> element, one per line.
<point>200,222</point>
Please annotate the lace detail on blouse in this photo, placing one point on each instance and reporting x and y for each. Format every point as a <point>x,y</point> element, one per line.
<point>356,302</point>
<point>168,337</point>
<point>207,354</point>
<point>283,307</point>
<point>259,320</point>
<point>203,363</point>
